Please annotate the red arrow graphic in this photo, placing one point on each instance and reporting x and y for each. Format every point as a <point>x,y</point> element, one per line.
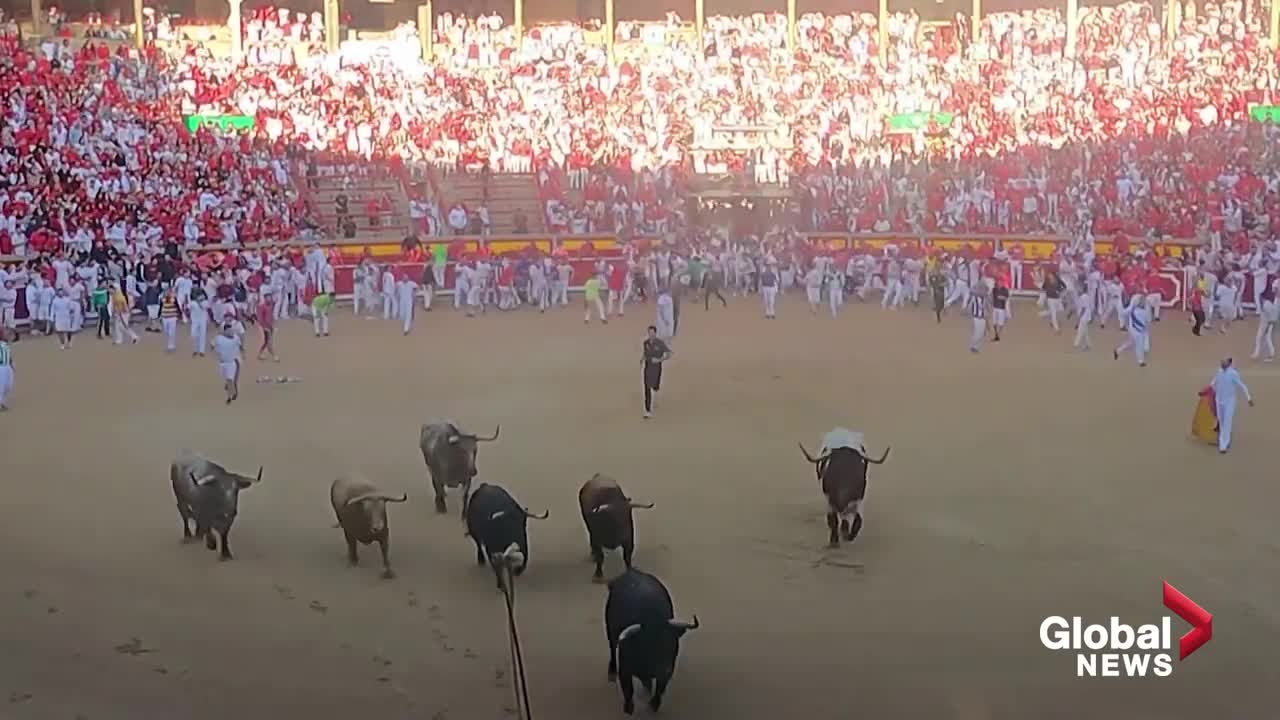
<point>1201,621</point>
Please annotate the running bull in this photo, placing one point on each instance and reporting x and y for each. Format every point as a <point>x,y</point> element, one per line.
<point>644,636</point>
<point>495,522</point>
<point>841,467</point>
<point>361,509</point>
<point>606,510</point>
<point>451,459</point>
<point>208,495</point>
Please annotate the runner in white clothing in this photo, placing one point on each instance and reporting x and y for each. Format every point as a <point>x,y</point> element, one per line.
<point>1084,315</point>
<point>1138,320</point>
<point>6,371</point>
<point>813,287</point>
<point>1267,322</point>
<point>405,290</point>
<point>1225,384</point>
<point>226,348</point>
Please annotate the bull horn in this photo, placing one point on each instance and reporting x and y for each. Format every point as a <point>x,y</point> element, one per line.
<point>882,457</point>
<point>633,504</point>
<point>497,515</point>
<point>628,631</point>
<point>200,481</point>
<point>807,456</point>
<point>377,495</point>
<point>496,429</point>
<point>545,514</point>
<point>601,508</point>
<point>685,625</point>
<point>259,478</point>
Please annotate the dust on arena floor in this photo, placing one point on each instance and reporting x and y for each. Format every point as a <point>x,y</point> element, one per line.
<point>1024,482</point>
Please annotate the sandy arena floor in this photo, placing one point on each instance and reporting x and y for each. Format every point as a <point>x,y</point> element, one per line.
<point>1023,482</point>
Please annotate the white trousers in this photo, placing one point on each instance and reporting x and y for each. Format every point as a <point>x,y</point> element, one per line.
<point>199,332</point>
<point>8,317</point>
<point>979,332</point>
<point>599,307</point>
<point>170,325</point>
<point>892,294</point>
<point>1055,309</point>
<point>364,297</point>
<point>1141,344</point>
<point>1153,301</point>
<point>406,316</point>
<point>866,286</point>
<point>621,299</point>
<point>1265,338</point>
<point>560,294</point>
<point>507,298</point>
<point>540,295</point>
<point>815,296</point>
<point>121,329</point>
<point>460,292</point>
<point>320,320</point>
<point>1112,305</point>
<point>6,382</point>
<point>770,295</point>
<point>1082,332</point>
<point>1227,312</point>
<point>389,306</point>
<point>835,298</point>
<point>1226,413</point>
<point>960,292</point>
<point>282,306</point>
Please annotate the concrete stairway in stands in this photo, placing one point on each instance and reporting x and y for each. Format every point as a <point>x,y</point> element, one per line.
<point>505,193</point>
<point>393,226</point>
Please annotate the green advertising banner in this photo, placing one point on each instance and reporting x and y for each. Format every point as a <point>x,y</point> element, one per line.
<point>911,122</point>
<point>225,123</point>
<point>1265,113</point>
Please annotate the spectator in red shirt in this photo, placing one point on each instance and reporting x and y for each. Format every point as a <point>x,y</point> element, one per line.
<point>267,321</point>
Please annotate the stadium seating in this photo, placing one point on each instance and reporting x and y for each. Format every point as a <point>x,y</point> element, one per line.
<point>1003,130</point>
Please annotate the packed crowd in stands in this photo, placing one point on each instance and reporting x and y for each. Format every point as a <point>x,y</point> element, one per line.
<point>1128,132</point>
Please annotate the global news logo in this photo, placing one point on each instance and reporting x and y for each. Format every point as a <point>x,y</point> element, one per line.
<point>1118,649</point>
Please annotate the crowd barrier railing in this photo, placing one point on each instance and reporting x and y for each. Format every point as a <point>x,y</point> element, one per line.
<point>584,251</point>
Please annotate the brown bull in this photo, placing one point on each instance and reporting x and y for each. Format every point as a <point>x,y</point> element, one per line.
<point>362,514</point>
<point>606,511</point>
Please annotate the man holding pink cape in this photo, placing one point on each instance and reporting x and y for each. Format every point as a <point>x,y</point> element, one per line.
<point>1216,410</point>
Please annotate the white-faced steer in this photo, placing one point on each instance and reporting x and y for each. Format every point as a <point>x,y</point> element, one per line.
<point>841,467</point>
<point>450,455</point>
<point>362,514</point>
<point>606,511</point>
<point>208,495</point>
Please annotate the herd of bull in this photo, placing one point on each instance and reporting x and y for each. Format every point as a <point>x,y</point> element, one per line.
<point>640,624</point>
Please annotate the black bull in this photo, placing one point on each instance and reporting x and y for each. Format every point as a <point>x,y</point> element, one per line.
<point>606,511</point>
<point>495,522</point>
<point>843,474</point>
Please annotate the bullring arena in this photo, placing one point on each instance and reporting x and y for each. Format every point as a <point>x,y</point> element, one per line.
<point>1137,141</point>
<point>1023,482</point>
